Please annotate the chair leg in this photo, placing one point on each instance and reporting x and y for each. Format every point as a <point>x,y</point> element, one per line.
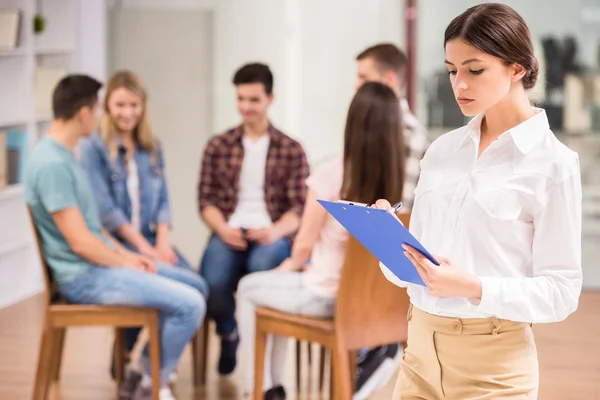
<point>353,357</point>
<point>298,365</point>
<point>203,372</point>
<point>197,354</point>
<point>322,368</point>
<point>119,356</point>
<point>260,347</point>
<point>332,374</point>
<point>343,381</point>
<point>154,343</point>
<point>57,352</point>
<point>310,358</point>
<point>42,377</point>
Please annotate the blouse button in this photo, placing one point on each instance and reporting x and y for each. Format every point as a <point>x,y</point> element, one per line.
<point>114,177</point>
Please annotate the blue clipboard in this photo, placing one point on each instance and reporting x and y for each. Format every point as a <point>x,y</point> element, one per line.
<point>382,235</point>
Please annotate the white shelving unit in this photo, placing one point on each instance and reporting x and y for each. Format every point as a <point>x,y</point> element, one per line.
<point>58,46</point>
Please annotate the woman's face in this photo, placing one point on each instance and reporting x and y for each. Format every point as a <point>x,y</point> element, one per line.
<point>125,109</point>
<point>479,80</point>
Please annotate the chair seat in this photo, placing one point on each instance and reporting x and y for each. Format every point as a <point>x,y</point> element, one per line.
<point>321,324</point>
<point>93,308</point>
<point>90,315</point>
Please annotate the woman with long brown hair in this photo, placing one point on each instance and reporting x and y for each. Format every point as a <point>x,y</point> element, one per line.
<point>125,165</point>
<point>372,167</point>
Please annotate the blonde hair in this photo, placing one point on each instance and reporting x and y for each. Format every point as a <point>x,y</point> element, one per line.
<point>142,133</point>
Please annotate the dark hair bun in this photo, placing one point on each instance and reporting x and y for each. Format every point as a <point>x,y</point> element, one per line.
<point>531,76</point>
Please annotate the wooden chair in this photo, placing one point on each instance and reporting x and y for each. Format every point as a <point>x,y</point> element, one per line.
<point>200,344</point>
<point>370,311</point>
<point>60,315</point>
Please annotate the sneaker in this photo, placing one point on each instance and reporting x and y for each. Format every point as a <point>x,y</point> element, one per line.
<point>375,370</point>
<point>144,391</point>
<point>130,384</point>
<point>227,360</point>
<point>275,393</point>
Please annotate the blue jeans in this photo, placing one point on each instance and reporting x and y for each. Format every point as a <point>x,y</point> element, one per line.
<point>131,334</point>
<point>175,292</point>
<point>222,267</point>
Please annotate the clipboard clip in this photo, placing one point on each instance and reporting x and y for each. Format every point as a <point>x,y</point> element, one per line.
<point>396,207</point>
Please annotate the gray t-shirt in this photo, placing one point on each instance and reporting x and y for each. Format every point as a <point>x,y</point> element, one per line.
<point>54,181</point>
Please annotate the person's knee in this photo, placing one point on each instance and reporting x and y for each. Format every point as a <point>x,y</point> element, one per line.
<point>250,282</point>
<point>202,287</point>
<point>192,305</point>
<point>268,257</point>
<point>197,282</point>
<point>216,253</point>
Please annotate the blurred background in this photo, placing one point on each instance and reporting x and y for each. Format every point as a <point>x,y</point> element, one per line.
<point>186,52</point>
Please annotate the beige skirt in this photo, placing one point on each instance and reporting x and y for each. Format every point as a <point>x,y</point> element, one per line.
<point>467,359</point>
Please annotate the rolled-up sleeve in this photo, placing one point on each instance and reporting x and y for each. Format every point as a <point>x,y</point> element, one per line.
<point>99,174</point>
<point>553,291</point>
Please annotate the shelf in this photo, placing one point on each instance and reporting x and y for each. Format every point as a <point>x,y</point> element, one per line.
<point>8,123</point>
<point>18,52</point>
<point>12,191</point>
<point>9,248</point>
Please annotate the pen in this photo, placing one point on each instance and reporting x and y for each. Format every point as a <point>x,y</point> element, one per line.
<point>397,206</point>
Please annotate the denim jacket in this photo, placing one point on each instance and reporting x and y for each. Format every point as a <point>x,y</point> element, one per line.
<point>109,183</point>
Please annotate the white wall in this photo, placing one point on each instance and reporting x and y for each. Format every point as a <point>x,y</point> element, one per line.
<point>90,57</point>
<point>311,46</point>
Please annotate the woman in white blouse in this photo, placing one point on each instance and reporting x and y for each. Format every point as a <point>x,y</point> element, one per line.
<point>500,201</point>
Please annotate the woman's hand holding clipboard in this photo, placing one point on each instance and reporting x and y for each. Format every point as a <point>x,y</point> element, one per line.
<point>444,280</point>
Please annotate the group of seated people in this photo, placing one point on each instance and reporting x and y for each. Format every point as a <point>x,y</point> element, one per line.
<point>99,199</point>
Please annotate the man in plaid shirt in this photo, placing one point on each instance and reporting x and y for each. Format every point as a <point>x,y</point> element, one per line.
<point>251,194</point>
<point>386,63</point>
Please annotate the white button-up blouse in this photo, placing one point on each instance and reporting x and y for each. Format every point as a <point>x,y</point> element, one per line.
<point>512,217</point>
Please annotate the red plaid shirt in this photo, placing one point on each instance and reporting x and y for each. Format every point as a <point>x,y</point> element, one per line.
<point>285,174</point>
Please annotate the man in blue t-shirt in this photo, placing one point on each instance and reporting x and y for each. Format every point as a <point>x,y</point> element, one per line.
<point>88,265</point>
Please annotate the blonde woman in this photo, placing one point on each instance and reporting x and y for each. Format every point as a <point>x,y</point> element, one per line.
<point>125,165</point>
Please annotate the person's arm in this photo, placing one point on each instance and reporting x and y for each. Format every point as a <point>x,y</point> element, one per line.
<point>113,218</point>
<point>207,189</point>
<point>83,242</point>
<point>553,291</point>
<point>313,220</point>
<point>56,190</point>
<point>296,191</point>
<point>163,217</point>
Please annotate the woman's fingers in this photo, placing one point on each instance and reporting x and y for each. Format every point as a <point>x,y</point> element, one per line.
<point>382,204</point>
<point>422,271</point>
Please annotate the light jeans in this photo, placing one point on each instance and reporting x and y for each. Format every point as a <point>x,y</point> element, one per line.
<point>282,291</point>
<point>181,305</point>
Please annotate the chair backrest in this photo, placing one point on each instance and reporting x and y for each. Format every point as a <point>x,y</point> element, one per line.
<point>49,284</point>
<point>370,310</point>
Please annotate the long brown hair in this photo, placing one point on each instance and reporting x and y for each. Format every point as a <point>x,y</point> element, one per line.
<point>498,30</point>
<point>373,146</point>
<point>142,133</point>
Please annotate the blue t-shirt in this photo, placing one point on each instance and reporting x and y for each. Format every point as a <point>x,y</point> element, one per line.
<point>54,181</point>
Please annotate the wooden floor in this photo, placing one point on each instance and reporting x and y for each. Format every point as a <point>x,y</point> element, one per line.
<point>569,354</point>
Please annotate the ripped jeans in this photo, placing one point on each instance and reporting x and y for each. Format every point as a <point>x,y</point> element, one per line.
<point>181,306</point>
